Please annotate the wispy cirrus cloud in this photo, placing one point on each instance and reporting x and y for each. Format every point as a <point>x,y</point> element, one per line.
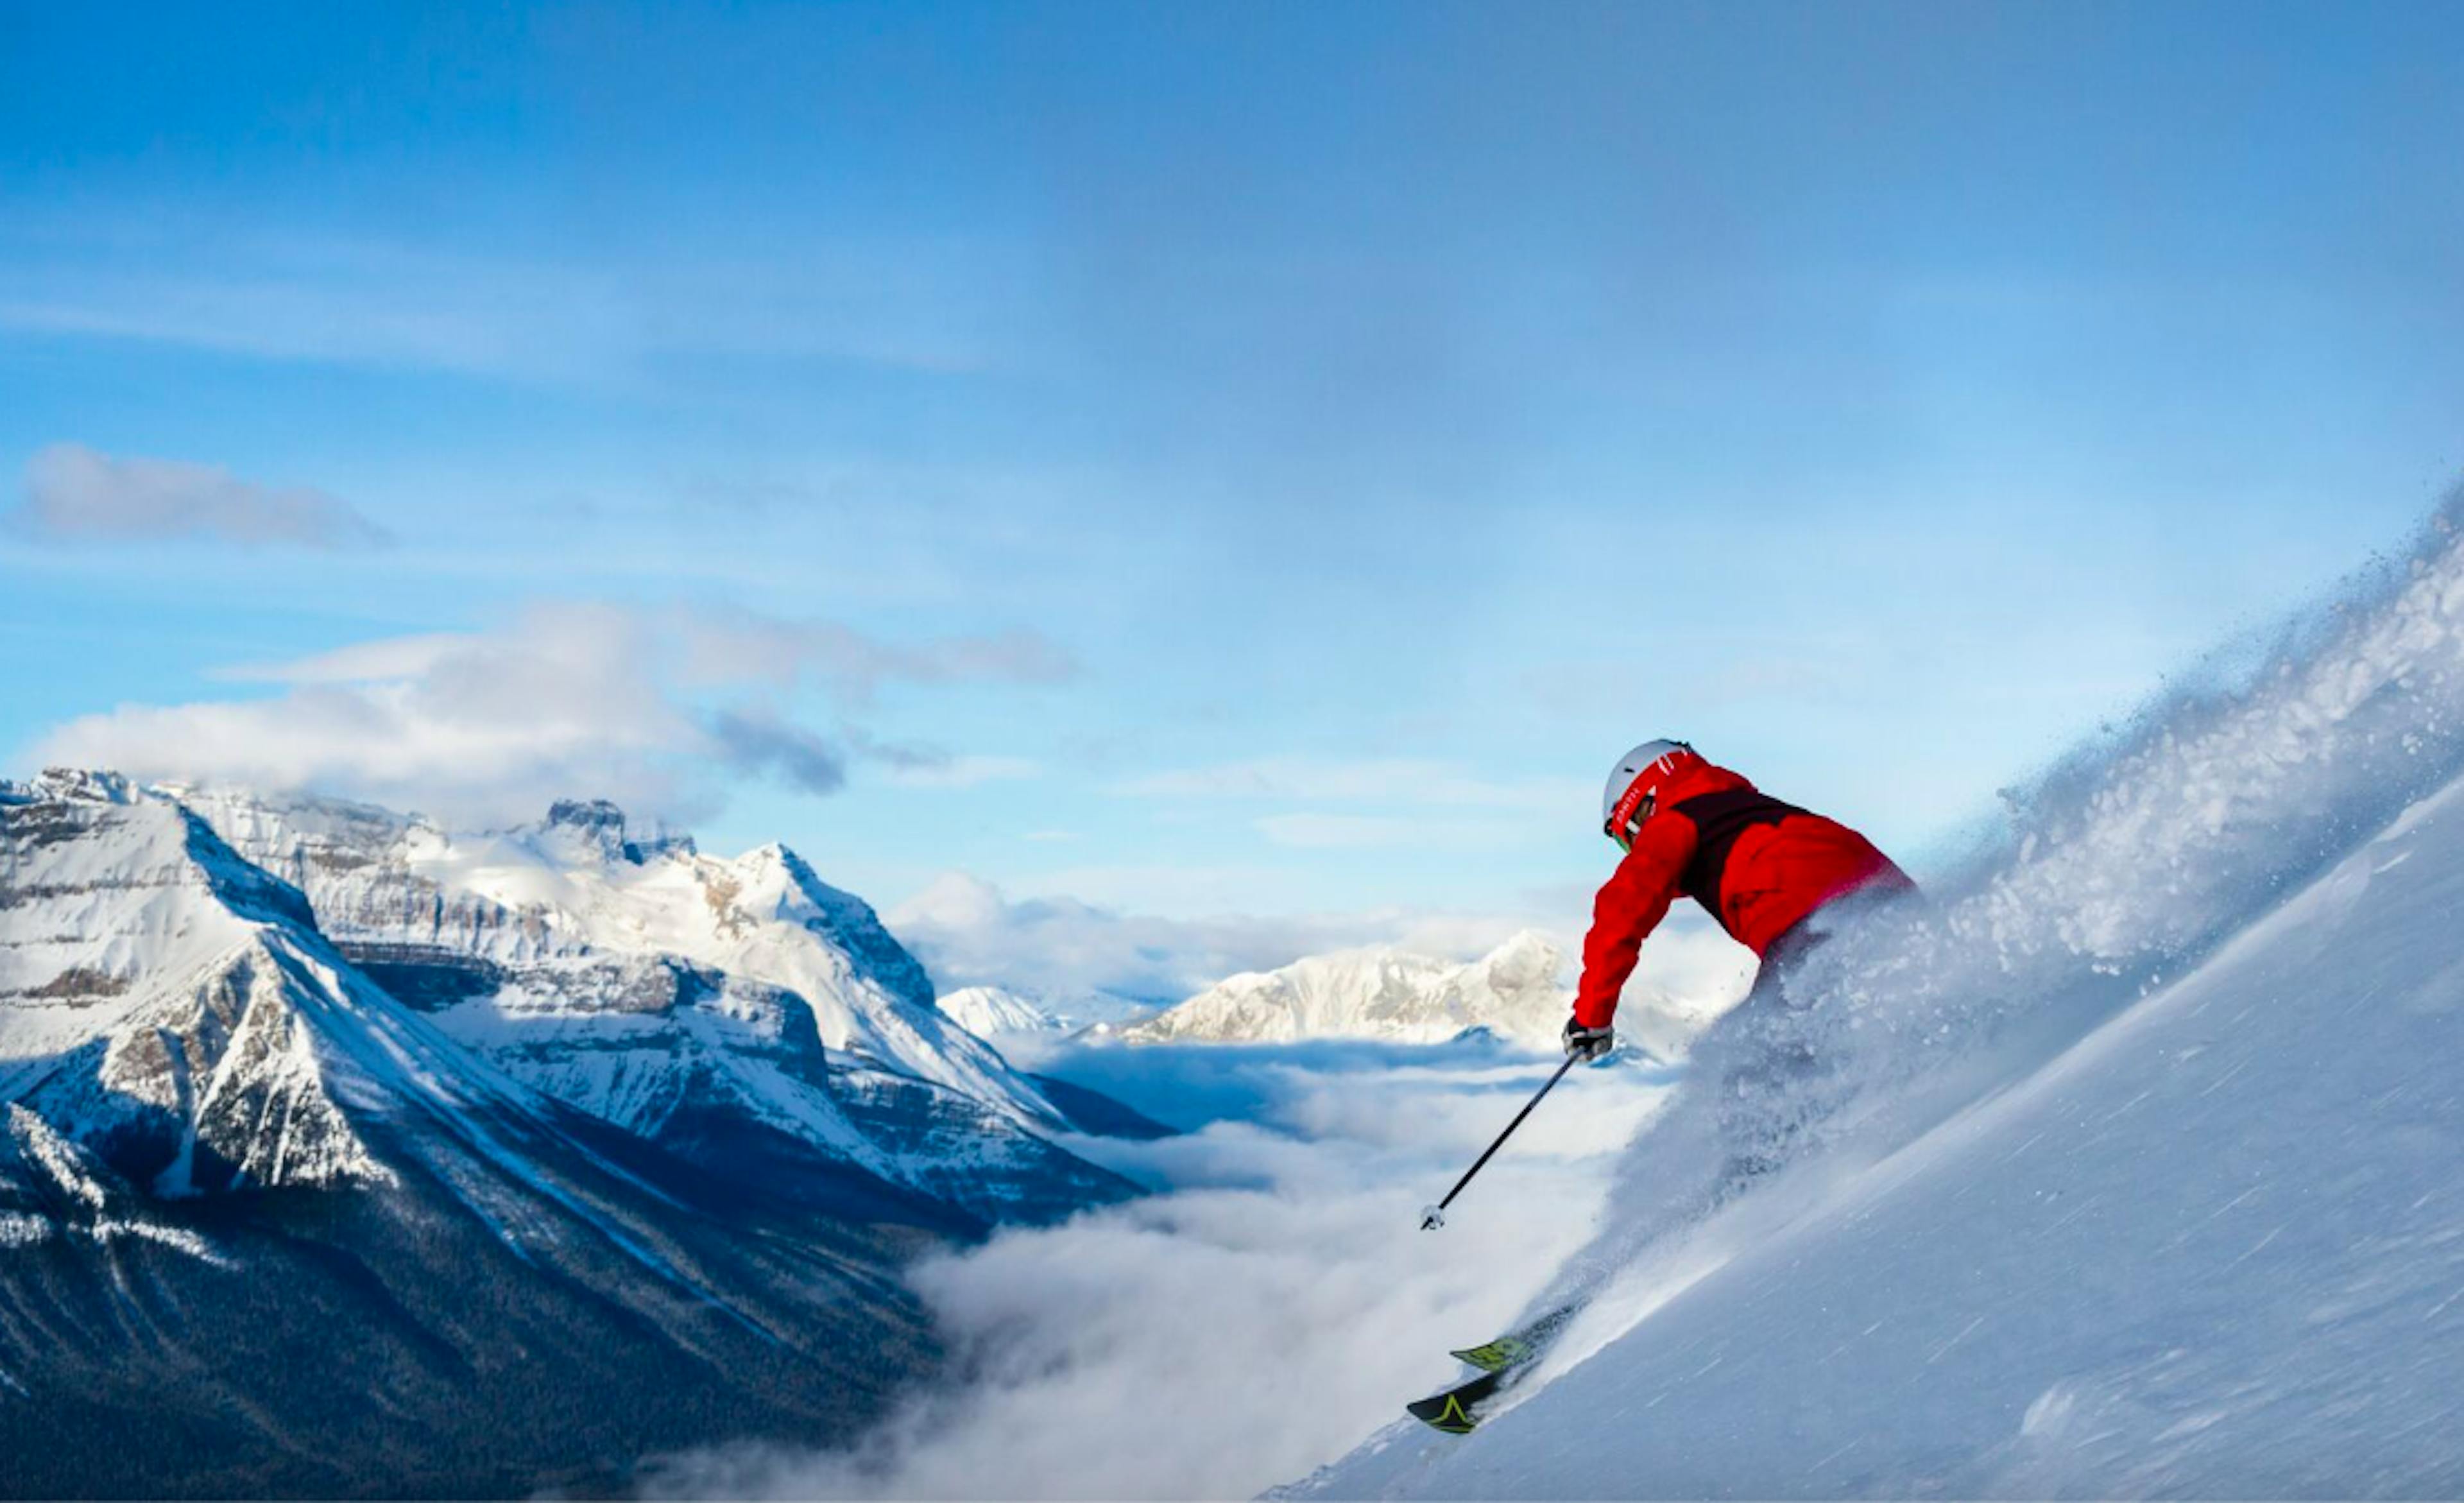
<point>645,705</point>
<point>74,494</point>
<point>293,297</point>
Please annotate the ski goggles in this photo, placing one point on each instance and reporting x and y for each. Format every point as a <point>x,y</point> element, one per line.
<point>1625,821</point>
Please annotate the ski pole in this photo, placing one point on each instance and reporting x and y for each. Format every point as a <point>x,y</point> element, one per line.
<point>1436,1215</point>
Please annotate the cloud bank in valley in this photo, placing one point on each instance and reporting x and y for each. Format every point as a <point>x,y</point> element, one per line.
<point>1266,1312</point>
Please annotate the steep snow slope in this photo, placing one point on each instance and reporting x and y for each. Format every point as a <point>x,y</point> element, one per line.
<point>683,997</point>
<point>2216,1249</point>
<point>2060,1221</point>
<point>1515,991</point>
<point>166,1003</point>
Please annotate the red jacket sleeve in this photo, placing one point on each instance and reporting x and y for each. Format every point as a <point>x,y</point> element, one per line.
<point>1631,904</point>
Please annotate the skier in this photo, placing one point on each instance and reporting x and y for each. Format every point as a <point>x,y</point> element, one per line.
<point>1764,869</point>
<point>1780,881</point>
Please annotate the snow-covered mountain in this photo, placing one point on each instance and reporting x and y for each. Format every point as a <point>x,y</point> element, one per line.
<point>221,1143</point>
<point>1004,1014</point>
<point>166,1002</point>
<point>1517,990</point>
<point>727,1008</point>
<point>2132,1165</point>
<point>1375,994</point>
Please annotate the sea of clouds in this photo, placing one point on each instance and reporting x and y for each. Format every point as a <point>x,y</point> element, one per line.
<point>1270,1306</point>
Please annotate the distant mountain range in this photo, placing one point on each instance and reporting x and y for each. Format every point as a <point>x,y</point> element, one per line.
<point>342,1153</point>
<point>1517,991</point>
<point>1012,1016</point>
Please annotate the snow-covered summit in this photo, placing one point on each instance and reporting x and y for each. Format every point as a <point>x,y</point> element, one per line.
<point>173,1007</point>
<point>1377,993</point>
<point>577,886</point>
<point>70,784</point>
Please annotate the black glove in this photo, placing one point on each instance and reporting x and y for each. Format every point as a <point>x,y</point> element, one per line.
<point>1588,1044</point>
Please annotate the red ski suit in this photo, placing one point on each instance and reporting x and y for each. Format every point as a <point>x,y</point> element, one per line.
<point>1758,866</point>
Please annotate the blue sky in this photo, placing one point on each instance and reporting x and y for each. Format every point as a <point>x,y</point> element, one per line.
<point>1198,459</point>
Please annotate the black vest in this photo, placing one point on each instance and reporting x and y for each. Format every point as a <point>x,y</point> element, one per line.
<point>1721,818</point>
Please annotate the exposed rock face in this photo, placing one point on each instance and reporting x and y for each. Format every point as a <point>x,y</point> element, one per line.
<point>152,992</point>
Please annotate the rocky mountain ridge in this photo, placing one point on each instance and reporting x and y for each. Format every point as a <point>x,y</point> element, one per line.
<point>717,1006</point>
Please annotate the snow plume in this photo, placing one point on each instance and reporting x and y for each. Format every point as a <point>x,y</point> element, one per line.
<point>2133,857</point>
<point>1275,1305</point>
<point>657,709</point>
<point>74,494</point>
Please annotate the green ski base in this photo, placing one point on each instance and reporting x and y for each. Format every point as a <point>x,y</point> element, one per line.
<point>1454,1411</point>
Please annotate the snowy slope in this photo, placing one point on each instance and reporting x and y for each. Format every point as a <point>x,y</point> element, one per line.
<point>677,995</point>
<point>2216,1249</point>
<point>2135,1160</point>
<point>1516,991</point>
<point>162,1000</point>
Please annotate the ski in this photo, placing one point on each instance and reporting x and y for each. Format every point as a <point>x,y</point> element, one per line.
<point>1453,1410</point>
<point>1523,1344</point>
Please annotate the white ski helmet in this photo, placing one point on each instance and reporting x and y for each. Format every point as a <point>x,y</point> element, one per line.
<point>1621,815</point>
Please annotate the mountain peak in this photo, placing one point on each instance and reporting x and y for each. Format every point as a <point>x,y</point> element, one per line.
<point>82,785</point>
<point>587,815</point>
<point>590,827</point>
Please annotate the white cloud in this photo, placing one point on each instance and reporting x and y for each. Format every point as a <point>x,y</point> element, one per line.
<point>76,495</point>
<point>735,646</point>
<point>642,706</point>
<point>388,657</point>
<point>1261,1318</point>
